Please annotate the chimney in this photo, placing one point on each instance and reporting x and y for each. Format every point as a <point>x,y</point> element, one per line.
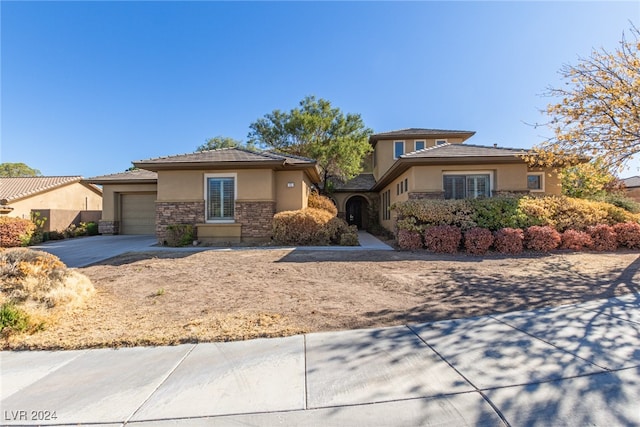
<point>495,145</point>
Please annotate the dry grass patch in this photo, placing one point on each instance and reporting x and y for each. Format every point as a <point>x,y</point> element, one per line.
<point>36,288</point>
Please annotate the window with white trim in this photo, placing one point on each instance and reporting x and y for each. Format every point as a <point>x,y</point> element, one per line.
<point>398,149</point>
<point>441,141</point>
<point>466,186</point>
<point>220,197</point>
<point>535,181</point>
<point>419,145</point>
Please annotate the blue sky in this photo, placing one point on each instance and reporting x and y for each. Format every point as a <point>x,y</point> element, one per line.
<point>88,87</point>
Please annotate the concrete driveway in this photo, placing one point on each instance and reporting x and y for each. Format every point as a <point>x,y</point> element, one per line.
<point>82,251</point>
<point>574,365</point>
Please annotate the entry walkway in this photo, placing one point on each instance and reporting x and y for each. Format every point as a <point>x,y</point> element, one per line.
<point>572,365</point>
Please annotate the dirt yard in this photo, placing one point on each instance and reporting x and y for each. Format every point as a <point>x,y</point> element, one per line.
<point>175,297</point>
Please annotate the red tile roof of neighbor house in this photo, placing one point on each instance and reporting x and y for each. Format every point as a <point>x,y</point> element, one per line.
<point>632,181</point>
<point>15,188</point>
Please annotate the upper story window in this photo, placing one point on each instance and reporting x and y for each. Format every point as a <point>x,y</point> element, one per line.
<point>398,149</point>
<point>441,141</point>
<point>419,145</point>
<point>220,196</point>
<point>535,181</point>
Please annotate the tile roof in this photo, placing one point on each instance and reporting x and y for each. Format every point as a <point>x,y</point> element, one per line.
<point>362,182</point>
<point>20,187</point>
<point>633,181</point>
<point>135,175</point>
<point>227,155</point>
<point>463,150</point>
<point>420,132</point>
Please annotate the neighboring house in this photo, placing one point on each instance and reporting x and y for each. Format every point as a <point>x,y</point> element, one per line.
<point>60,199</point>
<point>632,186</point>
<point>231,194</point>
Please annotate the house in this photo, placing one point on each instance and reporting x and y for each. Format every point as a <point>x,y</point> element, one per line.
<point>632,186</point>
<point>63,200</point>
<point>435,164</point>
<point>231,194</point>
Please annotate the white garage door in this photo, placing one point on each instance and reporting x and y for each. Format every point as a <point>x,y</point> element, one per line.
<point>138,214</point>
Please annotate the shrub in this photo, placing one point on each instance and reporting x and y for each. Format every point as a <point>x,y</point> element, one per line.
<point>179,235</point>
<point>509,240</point>
<point>542,238</point>
<point>499,212</point>
<point>477,240</point>
<point>91,227</point>
<point>319,201</point>
<point>301,227</point>
<point>628,234</point>
<point>53,235</point>
<point>15,232</point>
<point>13,319</point>
<point>442,238</point>
<point>620,200</point>
<point>416,214</point>
<point>34,285</point>
<point>350,237</point>
<point>409,240</point>
<point>603,237</point>
<point>576,240</point>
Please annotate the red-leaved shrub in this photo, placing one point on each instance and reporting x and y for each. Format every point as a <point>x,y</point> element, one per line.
<point>628,234</point>
<point>409,240</point>
<point>477,240</point>
<point>15,232</point>
<point>509,240</point>
<point>442,238</point>
<point>541,238</point>
<point>604,237</point>
<point>576,240</point>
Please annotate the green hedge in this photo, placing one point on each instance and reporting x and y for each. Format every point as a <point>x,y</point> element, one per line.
<point>560,212</point>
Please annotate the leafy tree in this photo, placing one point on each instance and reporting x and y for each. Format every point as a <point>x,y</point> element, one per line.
<point>337,141</point>
<point>17,170</point>
<point>590,180</point>
<point>598,114</point>
<point>218,142</point>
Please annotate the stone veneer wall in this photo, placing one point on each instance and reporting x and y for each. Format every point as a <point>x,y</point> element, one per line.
<point>108,227</point>
<point>256,219</point>
<point>168,213</point>
<point>426,195</point>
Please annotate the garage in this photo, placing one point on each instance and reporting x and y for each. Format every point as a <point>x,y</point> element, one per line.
<point>138,213</point>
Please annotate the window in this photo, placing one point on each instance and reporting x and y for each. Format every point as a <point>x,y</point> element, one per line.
<point>398,149</point>
<point>220,196</point>
<point>535,181</point>
<point>398,191</point>
<point>467,186</point>
<point>406,184</point>
<point>419,145</point>
<point>386,205</point>
<point>441,141</point>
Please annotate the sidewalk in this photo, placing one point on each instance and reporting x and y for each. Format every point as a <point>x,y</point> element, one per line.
<point>572,365</point>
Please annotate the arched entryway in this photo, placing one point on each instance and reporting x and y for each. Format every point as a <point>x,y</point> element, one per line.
<point>357,212</point>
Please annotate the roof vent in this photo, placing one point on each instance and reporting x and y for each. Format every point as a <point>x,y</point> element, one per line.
<point>495,145</point>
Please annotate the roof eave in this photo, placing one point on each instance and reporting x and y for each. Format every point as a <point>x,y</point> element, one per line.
<point>373,139</point>
<point>155,167</point>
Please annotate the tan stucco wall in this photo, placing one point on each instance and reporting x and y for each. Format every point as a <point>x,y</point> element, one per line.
<point>506,177</point>
<point>552,182</point>
<point>297,197</point>
<point>384,151</point>
<point>74,196</point>
<point>188,185</point>
<point>395,198</point>
<point>111,195</point>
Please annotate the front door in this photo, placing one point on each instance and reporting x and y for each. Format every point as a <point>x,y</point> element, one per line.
<point>354,212</point>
